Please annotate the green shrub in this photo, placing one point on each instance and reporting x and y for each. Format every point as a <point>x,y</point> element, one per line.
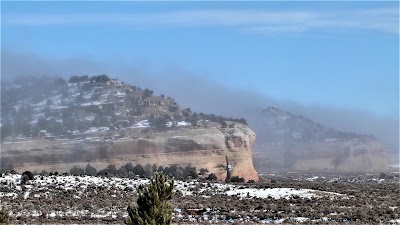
<point>76,170</point>
<point>212,177</point>
<point>153,203</point>
<point>29,174</point>
<point>90,170</point>
<point>237,179</point>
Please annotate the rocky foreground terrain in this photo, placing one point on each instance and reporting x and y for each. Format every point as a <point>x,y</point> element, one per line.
<point>286,198</point>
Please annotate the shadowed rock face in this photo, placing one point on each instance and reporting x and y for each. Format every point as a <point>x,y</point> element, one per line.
<point>204,147</point>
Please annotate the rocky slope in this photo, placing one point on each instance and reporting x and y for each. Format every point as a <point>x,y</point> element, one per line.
<point>295,142</point>
<point>53,125</point>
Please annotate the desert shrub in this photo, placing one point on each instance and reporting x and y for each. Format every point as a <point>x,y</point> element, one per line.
<point>90,170</point>
<point>237,179</point>
<point>78,79</point>
<point>173,108</point>
<point>76,170</point>
<point>158,122</point>
<point>55,173</point>
<point>122,171</point>
<point>147,93</point>
<point>110,170</point>
<point>128,167</point>
<point>212,177</point>
<point>180,173</point>
<point>26,176</point>
<point>203,171</point>
<point>29,174</point>
<point>99,79</point>
<point>153,202</point>
<point>139,170</point>
<point>102,172</point>
<point>44,173</point>
<point>4,215</point>
<point>191,172</point>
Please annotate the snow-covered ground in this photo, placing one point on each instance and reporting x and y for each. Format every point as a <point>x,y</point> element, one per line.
<point>185,187</point>
<point>82,188</point>
<point>278,193</point>
<point>91,199</point>
<point>141,124</point>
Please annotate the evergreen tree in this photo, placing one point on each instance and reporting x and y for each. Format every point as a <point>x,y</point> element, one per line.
<point>76,170</point>
<point>90,170</point>
<point>153,203</point>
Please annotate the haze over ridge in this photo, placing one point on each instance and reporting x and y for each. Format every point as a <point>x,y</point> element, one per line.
<point>202,95</point>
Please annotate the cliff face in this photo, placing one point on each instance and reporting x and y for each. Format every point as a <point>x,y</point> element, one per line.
<point>52,124</point>
<point>201,147</point>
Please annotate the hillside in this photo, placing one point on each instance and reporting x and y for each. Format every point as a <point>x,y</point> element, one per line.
<point>32,107</point>
<point>296,142</point>
<point>53,124</point>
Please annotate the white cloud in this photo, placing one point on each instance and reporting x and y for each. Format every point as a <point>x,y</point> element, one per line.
<point>259,21</point>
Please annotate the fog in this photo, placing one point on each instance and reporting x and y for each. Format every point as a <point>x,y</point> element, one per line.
<point>201,95</point>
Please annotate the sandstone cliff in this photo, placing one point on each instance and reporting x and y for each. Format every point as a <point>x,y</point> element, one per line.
<point>204,147</point>
<point>49,123</point>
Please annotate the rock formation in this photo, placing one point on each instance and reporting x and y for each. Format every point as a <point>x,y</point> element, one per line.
<point>204,147</point>
<point>53,124</point>
<point>294,142</point>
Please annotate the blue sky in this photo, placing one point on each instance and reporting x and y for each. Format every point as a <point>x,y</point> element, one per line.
<point>337,54</point>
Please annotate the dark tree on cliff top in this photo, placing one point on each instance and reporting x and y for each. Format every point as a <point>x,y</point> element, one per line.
<point>147,93</point>
<point>153,203</point>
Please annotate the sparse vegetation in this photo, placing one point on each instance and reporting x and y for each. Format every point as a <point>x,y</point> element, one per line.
<point>76,170</point>
<point>237,179</point>
<point>29,174</point>
<point>4,215</point>
<point>212,177</point>
<point>90,170</point>
<point>362,199</point>
<point>128,170</point>
<point>147,93</point>
<point>68,107</point>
